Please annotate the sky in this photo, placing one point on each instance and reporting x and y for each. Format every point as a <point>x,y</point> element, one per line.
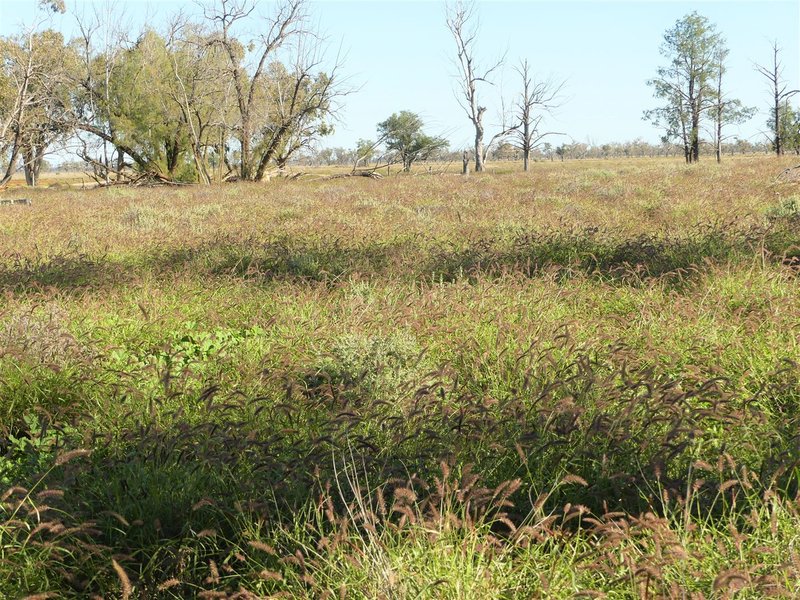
<point>399,56</point>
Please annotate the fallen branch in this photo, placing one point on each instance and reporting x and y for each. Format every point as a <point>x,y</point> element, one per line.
<point>369,173</point>
<point>790,174</point>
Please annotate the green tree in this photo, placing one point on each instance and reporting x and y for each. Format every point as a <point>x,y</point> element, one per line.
<point>402,133</point>
<point>35,97</point>
<point>686,83</point>
<point>790,128</point>
<point>365,151</point>
<point>144,113</point>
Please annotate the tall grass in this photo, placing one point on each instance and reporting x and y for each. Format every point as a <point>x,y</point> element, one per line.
<point>579,382</point>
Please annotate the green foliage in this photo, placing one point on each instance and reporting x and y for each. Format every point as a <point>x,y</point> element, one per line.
<point>787,211</point>
<point>56,6</point>
<point>789,123</point>
<point>402,133</point>
<point>377,367</point>
<point>143,113</point>
<point>28,452</point>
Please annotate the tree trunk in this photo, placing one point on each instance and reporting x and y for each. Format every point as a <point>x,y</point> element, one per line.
<point>695,149</point>
<point>526,135</point>
<point>778,145</point>
<point>245,170</point>
<point>11,165</point>
<point>32,165</point>
<point>478,148</point>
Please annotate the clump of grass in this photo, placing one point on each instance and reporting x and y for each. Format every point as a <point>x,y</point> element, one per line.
<point>787,211</point>
<point>39,335</point>
<point>140,217</point>
<point>378,367</point>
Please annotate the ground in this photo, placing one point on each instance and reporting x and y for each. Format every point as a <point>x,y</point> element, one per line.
<point>579,380</point>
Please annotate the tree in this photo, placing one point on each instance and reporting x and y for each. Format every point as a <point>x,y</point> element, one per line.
<point>99,146</point>
<point>402,133</point>
<point>686,83</point>
<point>459,20</point>
<point>201,100</point>
<point>790,128</point>
<point>34,99</point>
<point>535,98</point>
<point>365,151</point>
<point>780,93</point>
<point>725,110</point>
<point>143,110</point>
<point>276,108</point>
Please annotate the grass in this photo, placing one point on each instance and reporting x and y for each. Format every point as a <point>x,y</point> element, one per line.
<point>577,382</point>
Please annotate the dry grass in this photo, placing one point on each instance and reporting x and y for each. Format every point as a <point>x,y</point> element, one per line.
<point>578,381</point>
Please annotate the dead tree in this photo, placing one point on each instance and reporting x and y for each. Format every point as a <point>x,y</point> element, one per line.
<point>536,97</point>
<point>460,19</point>
<point>780,93</point>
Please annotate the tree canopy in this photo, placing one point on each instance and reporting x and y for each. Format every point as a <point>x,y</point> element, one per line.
<point>199,100</point>
<point>403,134</point>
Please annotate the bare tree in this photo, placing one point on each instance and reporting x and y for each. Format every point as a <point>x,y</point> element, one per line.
<point>200,90</point>
<point>780,93</point>
<point>725,110</point>
<point>537,97</point>
<point>460,22</point>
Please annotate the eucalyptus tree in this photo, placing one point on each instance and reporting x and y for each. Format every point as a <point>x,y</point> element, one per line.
<point>281,97</point>
<point>402,133</point>
<point>35,98</point>
<point>686,83</point>
<point>102,43</point>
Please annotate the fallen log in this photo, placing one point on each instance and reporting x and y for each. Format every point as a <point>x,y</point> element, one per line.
<point>10,201</point>
<point>370,174</point>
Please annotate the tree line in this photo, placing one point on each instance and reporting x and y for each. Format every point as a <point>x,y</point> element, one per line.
<point>201,101</point>
<point>204,99</point>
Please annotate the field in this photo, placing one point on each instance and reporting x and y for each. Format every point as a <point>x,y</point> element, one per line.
<point>577,382</point>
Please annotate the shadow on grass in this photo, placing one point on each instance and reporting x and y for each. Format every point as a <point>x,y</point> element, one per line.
<point>165,493</point>
<point>587,252</point>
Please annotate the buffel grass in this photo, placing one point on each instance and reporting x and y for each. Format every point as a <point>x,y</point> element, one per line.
<point>579,382</point>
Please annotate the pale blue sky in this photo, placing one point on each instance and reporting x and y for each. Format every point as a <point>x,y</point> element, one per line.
<point>399,55</point>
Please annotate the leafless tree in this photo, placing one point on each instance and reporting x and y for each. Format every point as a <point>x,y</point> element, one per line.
<point>780,93</point>
<point>536,98</point>
<point>725,110</point>
<point>461,23</point>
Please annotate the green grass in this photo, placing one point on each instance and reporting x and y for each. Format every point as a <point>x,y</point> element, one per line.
<point>579,382</point>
